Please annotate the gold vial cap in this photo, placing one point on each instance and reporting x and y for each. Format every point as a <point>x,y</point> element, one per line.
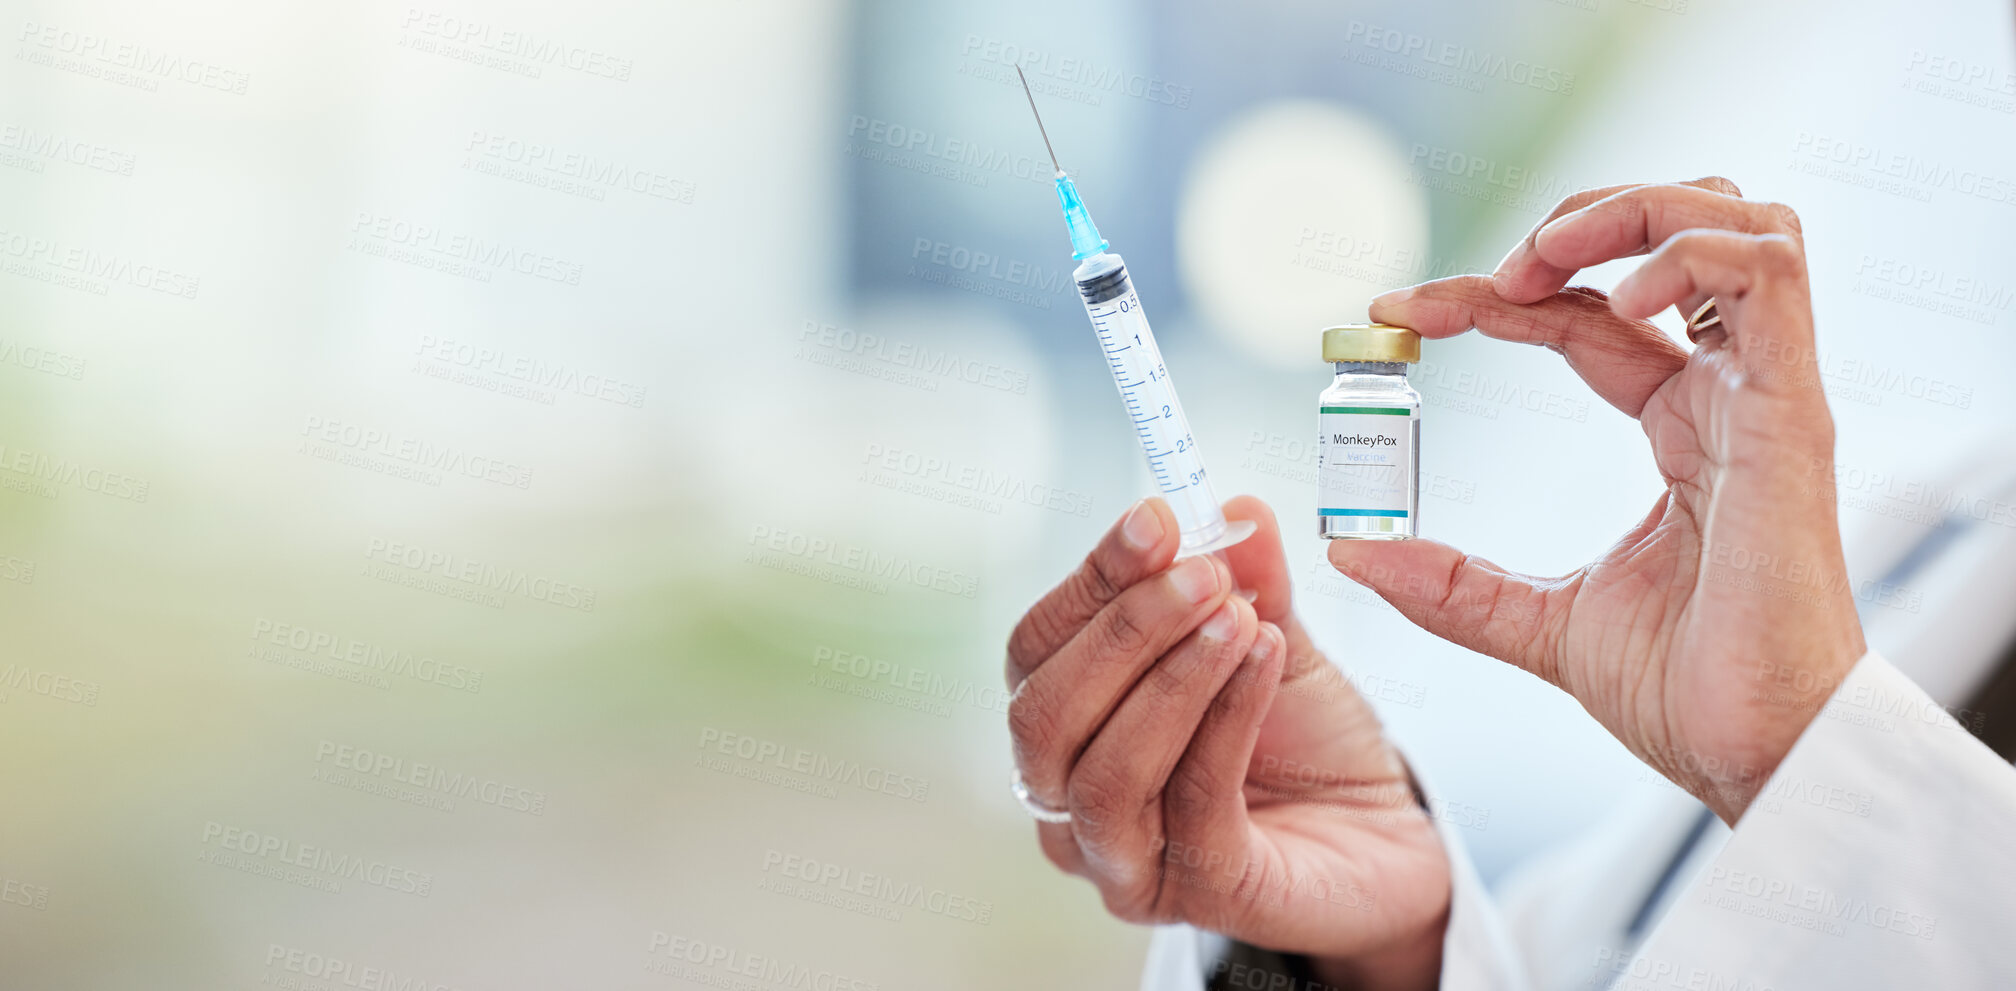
<point>1370,342</point>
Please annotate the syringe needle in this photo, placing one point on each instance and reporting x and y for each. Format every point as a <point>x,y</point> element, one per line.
<point>1039,121</point>
<point>1138,372</point>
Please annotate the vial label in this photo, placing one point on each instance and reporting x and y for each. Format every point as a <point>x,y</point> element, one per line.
<point>1365,461</point>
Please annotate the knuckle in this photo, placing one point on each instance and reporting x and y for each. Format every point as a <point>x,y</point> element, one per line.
<point>1016,670</point>
<point>1121,631</point>
<point>1583,319</point>
<point>1650,203</point>
<point>1784,218</point>
<point>1462,288</point>
<point>1567,205</point>
<point>1099,795</point>
<point>1025,643</point>
<point>1129,903</point>
<point>1192,796</point>
<point>1030,722</point>
<point>1562,207</point>
<point>1472,605</point>
<point>1629,207</point>
<point>1525,323</point>
<point>1096,578</point>
<point>1060,850</point>
<point>1586,296</point>
<point>1253,676</point>
<point>1780,255</point>
<point>1052,620</point>
<point>1162,686</point>
<point>1524,617</point>
<point>1495,611</point>
<point>1048,623</point>
<point>1720,184</point>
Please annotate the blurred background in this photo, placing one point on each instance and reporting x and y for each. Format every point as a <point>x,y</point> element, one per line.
<point>499,495</point>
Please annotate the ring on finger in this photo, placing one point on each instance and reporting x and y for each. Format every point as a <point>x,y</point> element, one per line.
<point>1036,809</point>
<point>1704,319</point>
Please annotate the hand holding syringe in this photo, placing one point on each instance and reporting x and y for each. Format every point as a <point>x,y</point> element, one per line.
<point>1138,371</point>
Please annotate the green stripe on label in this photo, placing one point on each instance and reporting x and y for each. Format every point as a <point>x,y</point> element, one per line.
<point>1400,513</point>
<point>1370,410</point>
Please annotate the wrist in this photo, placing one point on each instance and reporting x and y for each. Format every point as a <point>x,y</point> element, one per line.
<point>1408,964</point>
<point>1792,696</point>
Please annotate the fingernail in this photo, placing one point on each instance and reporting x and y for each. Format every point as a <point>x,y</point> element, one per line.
<point>1142,529</point>
<point>1195,579</point>
<point>1263,648</point>
<point>1223,624</point>
<point>1506,262</point>
<point>1250,594</point>
<point>1393,298</point>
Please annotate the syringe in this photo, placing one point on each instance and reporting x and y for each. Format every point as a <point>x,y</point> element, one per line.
<point>1136,364</point>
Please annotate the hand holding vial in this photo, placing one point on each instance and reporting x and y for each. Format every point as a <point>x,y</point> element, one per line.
<point>1671,638</point>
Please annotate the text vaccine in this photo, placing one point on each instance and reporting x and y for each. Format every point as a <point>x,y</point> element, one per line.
<point>1368,435</point>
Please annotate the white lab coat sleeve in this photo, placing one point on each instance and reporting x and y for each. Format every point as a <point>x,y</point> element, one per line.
<point>1179,958</point>
<point>1878,855</point>
<point>1477,954</point>
<point>1477,951</point>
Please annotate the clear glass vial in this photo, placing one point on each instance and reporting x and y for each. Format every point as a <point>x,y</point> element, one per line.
<point>1368,440</point>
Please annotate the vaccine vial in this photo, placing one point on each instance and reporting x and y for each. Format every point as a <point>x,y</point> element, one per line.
<point>1368,443</point>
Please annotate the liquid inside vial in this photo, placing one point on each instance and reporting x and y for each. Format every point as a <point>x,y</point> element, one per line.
<point>1368,468</point>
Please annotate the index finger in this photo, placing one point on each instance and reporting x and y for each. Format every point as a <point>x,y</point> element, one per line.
<point>1639,220</point>
<point>1623,360</point>
<point>1141,543</point>
<point>1525,277</point>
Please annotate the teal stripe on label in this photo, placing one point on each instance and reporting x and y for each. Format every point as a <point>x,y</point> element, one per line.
<point>1400,513</point>
<point>1370,410</point>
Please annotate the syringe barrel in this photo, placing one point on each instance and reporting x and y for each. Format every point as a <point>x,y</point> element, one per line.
<point>1150,399</point>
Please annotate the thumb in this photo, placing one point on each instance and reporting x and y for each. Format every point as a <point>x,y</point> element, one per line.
<point>1465,600</point>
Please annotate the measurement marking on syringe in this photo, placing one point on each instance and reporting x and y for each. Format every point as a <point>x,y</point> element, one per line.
<point>1143,379</point>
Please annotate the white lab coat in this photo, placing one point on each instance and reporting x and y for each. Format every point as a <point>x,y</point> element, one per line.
<point>1881,854</point>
